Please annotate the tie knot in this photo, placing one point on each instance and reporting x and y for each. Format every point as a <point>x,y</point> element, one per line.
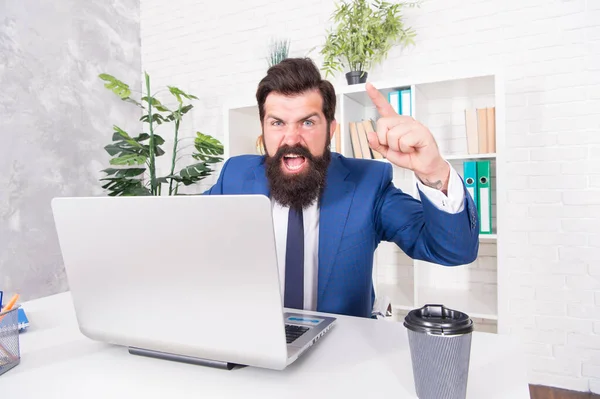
<point>295,214</point>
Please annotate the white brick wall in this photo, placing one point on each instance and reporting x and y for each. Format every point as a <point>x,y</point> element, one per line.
<point>550,50</point>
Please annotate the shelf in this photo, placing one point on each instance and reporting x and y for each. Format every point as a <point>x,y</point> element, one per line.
<point>439,100</point>
<point>452,157</point>
<point>467,82</point>
<point>460,157</point>
<point>475,304</point>
<point>488,237</point>
<point>361,97</point>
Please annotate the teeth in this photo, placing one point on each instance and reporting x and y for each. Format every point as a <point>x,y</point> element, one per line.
<point>293,167</point>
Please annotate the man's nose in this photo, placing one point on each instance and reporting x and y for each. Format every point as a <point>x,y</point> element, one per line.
<point>292,135</point>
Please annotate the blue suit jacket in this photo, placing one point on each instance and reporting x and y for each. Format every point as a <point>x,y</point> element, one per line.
<point>359,208</point>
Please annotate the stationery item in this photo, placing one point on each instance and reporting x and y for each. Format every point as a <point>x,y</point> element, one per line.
<point>354,139</point>
<point>370,126</point>
<point>471,130</point>
<point>480,127</point>
<point>9,341</point>
<point>394,100</point>
<point>364,141</point>
<point>22,320</point>
<point>491,129</point>
<point>470,175</point>
<point>9,305</point>
<point>482,135</point>
<point>484,196</point>
<point>440,347</point>
<point>405,102</point>
<point>22,317</point>
<point>401,101</point>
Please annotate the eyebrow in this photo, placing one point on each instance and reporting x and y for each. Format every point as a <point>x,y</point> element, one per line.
<point>314,114</point>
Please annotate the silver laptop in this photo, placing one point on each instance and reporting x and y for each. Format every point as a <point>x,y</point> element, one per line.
<point>187,278</point>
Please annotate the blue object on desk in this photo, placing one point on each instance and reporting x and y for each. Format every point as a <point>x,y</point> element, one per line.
<point>23,320</point>
<point>22,317</point>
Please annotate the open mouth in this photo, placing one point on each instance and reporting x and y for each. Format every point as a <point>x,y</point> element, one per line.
<point>294,163</point>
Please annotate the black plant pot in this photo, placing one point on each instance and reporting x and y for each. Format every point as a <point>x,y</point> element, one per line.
<point>354,77</point>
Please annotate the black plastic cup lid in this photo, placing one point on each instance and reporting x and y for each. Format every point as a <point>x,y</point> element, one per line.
<point>438,320</point>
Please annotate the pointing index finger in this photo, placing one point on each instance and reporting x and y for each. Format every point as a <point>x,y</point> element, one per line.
<point>384,108</point>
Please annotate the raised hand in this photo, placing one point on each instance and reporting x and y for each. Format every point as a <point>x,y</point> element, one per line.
<point>407,143</point>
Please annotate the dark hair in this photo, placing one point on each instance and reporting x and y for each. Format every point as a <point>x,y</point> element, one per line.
<point>294,76</point>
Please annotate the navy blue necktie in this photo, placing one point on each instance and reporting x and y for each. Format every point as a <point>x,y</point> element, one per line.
<point>294,261</point>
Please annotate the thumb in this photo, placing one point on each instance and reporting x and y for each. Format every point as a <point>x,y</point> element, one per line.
<point>375,145</point>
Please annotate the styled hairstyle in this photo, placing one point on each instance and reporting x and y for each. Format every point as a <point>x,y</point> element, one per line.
<point>294,76</point>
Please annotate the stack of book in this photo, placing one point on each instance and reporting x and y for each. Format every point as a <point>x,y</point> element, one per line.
<point>359,139</point>
<point>480,125</point>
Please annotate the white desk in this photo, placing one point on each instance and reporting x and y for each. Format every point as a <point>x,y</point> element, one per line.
<point>358,358</point>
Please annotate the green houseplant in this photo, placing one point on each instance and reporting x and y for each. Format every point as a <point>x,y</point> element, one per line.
<point>134,157</point>
<point>362,35</point>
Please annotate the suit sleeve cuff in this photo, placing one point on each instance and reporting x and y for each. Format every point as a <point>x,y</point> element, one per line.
<point>454,202</point>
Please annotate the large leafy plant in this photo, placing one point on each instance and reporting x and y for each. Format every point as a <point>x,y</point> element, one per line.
<point>363,33</point>
<point>134,157</point>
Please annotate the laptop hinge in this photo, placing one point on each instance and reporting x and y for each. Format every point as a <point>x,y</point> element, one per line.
<point>182,358</point>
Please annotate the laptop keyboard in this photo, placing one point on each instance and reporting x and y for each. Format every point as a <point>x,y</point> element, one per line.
<point>292,332</point>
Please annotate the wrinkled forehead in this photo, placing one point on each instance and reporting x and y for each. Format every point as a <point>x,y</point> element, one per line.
<point>293,106</point>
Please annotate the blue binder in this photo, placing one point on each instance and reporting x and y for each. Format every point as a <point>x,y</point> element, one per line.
<point>395,101</point>
<point>401,101</point>
<point>405,102</point>
<point>470,177</point>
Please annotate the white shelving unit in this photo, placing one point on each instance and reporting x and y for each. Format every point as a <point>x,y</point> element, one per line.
<point>439,102</point>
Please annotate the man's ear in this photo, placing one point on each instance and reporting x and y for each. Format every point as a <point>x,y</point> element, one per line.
<point>332,128</point>
<point>260,144</point>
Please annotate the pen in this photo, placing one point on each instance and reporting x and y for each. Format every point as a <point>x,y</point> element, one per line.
<point>9,305</point>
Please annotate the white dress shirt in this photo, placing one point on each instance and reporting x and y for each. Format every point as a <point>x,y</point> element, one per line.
<point>453,203</point>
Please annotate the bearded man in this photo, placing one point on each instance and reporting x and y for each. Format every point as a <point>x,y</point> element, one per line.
<point>330,212</point>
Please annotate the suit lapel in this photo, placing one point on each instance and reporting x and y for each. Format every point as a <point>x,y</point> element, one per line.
<point>334,208</point>
<point>257,183</point>
<point>333,212</point>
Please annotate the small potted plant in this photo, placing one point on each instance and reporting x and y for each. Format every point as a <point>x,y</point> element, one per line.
<point>278,51</point>
<point>362,35</point>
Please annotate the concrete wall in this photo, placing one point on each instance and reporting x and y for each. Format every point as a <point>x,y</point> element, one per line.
<point>55,118</point>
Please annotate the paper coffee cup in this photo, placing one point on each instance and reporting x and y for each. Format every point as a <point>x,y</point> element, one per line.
<point>440,349</point>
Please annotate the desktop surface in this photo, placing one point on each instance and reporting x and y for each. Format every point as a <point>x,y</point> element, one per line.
<point>358,358</point>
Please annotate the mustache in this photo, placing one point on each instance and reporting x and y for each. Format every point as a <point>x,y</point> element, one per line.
<point>297,149</point>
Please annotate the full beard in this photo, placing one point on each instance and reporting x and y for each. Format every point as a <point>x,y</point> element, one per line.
<point>297,190</point>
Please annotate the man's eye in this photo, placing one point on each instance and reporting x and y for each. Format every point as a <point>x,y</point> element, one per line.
<point>308,123</point>
<point>276,123</point>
